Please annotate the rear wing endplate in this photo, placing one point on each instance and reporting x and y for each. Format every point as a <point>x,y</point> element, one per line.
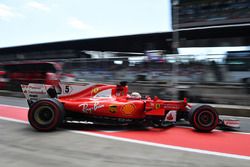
<point>33,92</point>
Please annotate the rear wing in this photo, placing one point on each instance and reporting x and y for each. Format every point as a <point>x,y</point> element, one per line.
<point>33,91</point>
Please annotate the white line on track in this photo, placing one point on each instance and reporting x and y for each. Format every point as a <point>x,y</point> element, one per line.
<point>227,116</point>
<point>217,130</point>
<point>146,143</point>
<point>163,145</point>
<point>14,120</point>
<point>6,105</point>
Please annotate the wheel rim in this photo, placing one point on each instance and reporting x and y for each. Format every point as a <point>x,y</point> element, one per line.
<point>44,115</point>
<point>206,118</point>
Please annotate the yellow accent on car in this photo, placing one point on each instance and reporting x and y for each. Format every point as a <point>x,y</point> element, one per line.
<point>157,106</point>
<point>113,108</point>
<point>128,109</point>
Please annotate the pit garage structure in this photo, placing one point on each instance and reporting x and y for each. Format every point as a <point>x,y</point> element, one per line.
<point>227,35</point>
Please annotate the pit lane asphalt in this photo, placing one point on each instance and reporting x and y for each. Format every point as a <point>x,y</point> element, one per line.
<point>20,145</point>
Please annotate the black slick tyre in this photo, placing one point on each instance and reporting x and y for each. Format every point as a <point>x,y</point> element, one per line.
<point>203,118</point>
<point>46,114</point>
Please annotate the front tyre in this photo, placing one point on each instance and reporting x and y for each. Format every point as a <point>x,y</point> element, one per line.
<point>203,118</point>
<point>46,114</point>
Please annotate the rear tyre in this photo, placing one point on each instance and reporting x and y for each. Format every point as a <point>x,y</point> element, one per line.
<point>203,118</point>
<point>46,114</point>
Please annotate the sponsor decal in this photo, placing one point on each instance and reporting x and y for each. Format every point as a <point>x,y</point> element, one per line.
<point>171,106</point>
<point>128,109</point>
<point>35,87</point>
<point>67,89</point>
<point>89,110</point>
<point>171,116</point>
<point>113,108</point>
<point>95,90</point>
<point>232,123</point>
<point>34,92</point>
<point>157,106</point>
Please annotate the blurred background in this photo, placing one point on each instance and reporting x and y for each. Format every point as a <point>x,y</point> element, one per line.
<point>202,52</point>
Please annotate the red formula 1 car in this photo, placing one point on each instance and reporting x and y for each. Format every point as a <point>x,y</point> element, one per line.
<point>111,104</point>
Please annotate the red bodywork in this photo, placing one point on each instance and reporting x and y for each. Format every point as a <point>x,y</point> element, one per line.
<point>118,104</point>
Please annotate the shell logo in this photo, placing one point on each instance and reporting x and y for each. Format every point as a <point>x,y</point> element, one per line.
<point>128,109</point>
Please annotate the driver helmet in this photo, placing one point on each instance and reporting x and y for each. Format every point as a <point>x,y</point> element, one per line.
<point>135,95</point>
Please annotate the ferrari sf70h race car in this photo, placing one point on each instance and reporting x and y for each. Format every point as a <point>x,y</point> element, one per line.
<point>50,106</point>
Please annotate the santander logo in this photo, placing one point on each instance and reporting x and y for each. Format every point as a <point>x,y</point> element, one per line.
<point>170,117</point>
